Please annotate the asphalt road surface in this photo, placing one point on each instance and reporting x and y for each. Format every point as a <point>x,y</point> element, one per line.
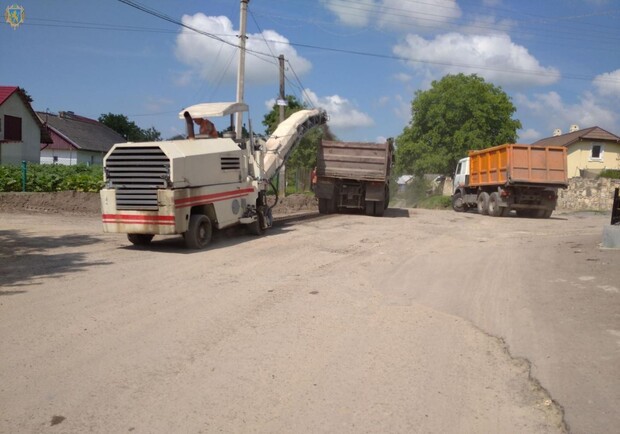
<point>421,321</point>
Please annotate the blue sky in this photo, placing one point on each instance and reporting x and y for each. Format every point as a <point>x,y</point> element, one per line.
<point>361,60</point>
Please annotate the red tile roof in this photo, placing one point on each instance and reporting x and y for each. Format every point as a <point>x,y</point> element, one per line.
<point>6,92</point>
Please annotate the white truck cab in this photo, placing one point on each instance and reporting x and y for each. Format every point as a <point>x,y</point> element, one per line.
<point>460,174</point>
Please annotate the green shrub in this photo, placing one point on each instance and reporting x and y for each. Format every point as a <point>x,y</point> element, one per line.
<point>435,202</point>
<point>52,177</point>
<point>610,173</point>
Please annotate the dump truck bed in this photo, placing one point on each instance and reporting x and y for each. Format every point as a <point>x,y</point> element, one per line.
<point>513,164</point>
<point>353,160</point>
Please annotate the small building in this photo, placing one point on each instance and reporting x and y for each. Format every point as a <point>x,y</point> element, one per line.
<point>21,131</point>
<point>589,150</point>
<point>76,139</point>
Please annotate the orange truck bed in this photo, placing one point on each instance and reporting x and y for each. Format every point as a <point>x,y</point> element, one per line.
<point>518,164</point>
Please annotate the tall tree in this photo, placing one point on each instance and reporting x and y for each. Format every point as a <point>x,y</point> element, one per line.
<point>128,129</point>
<point>305,153</point>
<point>458,113</point>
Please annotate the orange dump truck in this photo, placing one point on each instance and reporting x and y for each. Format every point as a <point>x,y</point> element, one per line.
<point>510,177</point>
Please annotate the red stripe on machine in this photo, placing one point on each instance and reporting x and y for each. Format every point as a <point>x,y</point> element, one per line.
<point>142,219</point>
<point>210,198</point>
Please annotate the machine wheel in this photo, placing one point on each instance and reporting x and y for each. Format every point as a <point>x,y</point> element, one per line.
<point>494,209</point>
<point>140,239</point>
<point>257,226</point>
<point>483,203</point>
<point>457,202</point>
<point>199,232</point>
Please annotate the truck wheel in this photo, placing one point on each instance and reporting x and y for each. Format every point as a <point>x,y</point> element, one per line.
<point>379,208</point>
<point>457,202</point>
<point>494,209</point>
<point>199,232</point>
<point>325,206</point>
<point>140,239</point>
<point>544,213</point>
<point>387,197</point>
<point>526,213</point>
<point>370,208</point>
<point>483,203</point>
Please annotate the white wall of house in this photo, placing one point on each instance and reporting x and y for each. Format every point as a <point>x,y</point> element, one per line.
<point>71,157</point>
<point>29,147</point>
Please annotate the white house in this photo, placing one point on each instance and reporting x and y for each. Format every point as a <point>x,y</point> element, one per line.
<point>21,131</point>
<point>76,139</point>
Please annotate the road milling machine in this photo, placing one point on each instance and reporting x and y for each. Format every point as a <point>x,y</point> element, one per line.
<point>196,185</point>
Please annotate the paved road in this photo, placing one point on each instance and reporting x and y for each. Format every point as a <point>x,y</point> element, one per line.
<point>422,321</point>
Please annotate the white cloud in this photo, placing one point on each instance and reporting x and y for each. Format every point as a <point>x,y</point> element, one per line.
<point>494,57</point>
<point>357,15</point>
<point>402,109</point>
<point>529,135</point>
<point>487,25</point>
<point>402,77</point>
<point>608,83</point>
<point>588,112</point>
<point>394,14</point>
<point>342,113</point>
<point>216,61</point>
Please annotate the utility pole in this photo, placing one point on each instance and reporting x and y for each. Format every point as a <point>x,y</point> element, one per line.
<point>281,105</point>
<point>282,100</point>
<point>241,67</point>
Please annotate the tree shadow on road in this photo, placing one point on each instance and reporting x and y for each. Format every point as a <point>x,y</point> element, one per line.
<point>24,258</point>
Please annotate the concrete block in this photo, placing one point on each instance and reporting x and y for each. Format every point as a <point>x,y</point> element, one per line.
<point>611,236</point>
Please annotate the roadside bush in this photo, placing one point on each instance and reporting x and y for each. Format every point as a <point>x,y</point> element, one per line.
<point>435,202</point>
<point>52,177</point>
<point>610,173</point>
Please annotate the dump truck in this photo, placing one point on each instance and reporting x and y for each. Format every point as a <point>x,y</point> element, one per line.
<point>196,185</point>
<point>354,175</point>
<point>510,177</point>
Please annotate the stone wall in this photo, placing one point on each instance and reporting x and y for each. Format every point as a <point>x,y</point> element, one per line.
<point>588,194</point>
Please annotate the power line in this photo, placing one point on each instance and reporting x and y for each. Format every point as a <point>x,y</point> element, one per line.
<point>352,52</point>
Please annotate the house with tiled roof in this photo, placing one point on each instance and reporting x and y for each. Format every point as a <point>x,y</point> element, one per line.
<point>21,131</point>
<point>76,139</point>
<point>589,150</point>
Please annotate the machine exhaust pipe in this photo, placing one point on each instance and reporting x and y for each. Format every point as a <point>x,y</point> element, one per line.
<point>189,122</point>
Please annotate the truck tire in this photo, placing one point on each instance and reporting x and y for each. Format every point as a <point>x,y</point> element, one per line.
<point>483,203</point>
<point>526,213</point>
<point>544,213</point>
<point>370,208</point>
<point>256,227</point>
<point>326,206</point>
<point>140,239</point>
<point>494,209</point>
<point>379,208</point>
<point>199,232</point>
<point>457,202</point>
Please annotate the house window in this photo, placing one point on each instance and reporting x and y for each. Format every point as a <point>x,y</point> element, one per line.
<point>596,153</point>
<point>12,128</point>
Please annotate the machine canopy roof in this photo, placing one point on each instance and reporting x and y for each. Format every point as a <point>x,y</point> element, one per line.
<point>214,109</point>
